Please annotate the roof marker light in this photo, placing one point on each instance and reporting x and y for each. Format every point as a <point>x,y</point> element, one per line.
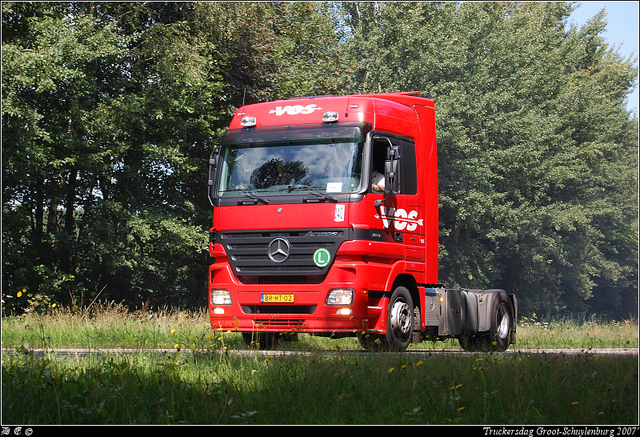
<point>329,117</point>
<point>248,121</point>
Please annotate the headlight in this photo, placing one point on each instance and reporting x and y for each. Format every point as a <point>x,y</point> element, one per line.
<point>220,297</point>
<point>340,296</point>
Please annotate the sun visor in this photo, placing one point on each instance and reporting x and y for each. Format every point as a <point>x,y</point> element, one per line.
<point>298,134</point>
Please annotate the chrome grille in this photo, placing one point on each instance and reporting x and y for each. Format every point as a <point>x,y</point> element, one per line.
<point>248,252</point>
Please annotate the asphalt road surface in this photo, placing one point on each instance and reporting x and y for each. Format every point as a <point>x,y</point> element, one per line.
<point>282,352</point>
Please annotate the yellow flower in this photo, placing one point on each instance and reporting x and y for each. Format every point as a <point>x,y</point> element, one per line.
<point>391,369</point>
<point>419,363</point>
<point>173,331</point>
<point>176,346</point>
<point>574,403</point>
<point>19,293</point>
<point>461,408</point>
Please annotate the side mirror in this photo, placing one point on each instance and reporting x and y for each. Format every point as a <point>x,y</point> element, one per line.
<point>213,165</point>
<point>391,173</point>
<point>391,170</point>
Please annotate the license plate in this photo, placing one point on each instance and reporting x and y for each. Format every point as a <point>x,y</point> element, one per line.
<point>276,298</point>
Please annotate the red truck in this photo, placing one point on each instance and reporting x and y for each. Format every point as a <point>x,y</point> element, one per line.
<point>325,221</point>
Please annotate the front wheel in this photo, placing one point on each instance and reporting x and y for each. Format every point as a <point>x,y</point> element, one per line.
<point>400,320</point>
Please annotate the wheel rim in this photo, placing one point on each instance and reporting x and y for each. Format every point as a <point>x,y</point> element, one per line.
<point>503,322</point>
<point>401,318</point>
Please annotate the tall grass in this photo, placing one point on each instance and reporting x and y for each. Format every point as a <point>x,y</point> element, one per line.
<point>343,388</point>
<point>110,325</point>
<point>190,377</point>
<point>575,333</point>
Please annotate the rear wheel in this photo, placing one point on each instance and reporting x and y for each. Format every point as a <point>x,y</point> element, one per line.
<point>501,323</point>
<point>400,319</point>
<point>500,328</point>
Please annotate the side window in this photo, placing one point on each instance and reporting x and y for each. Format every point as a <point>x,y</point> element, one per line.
<point>409,170</point>
<point>378,157</point>
<point>408,176</point>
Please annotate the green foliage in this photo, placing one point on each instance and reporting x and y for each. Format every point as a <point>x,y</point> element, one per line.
<point>110,111</point>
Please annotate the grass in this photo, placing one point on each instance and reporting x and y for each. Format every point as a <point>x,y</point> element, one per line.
<point>189,379</point>
<point>213,388</point>
<point>114,326</point>
<point>569,333</point>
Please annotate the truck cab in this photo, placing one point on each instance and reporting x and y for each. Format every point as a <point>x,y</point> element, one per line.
<point>325,221</point>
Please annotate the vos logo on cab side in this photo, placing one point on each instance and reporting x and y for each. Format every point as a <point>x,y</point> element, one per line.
<point>401,219</point>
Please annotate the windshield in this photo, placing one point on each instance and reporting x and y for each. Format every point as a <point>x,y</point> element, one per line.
<point>282,169</point>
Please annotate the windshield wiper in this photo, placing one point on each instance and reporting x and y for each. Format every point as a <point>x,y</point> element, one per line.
<point>322,196</point>
<point>251,195</point>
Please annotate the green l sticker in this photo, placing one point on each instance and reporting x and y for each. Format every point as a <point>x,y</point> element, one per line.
<point>321,257</point>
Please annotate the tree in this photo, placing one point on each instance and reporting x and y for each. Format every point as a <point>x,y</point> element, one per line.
<point>56,69</point>
<point>119,122</point>
<point>536,151</point>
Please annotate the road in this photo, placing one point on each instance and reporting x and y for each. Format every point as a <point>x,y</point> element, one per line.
<point>567,352</point>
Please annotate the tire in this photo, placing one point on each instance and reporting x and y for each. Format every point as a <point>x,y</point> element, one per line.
<point>501,322</point>
<point>400,317</point>
<point>500,328</point>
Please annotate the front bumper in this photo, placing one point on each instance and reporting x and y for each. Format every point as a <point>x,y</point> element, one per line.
<point>308,311</point>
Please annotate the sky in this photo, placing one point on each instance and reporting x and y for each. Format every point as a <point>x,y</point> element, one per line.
<point>622,28</point>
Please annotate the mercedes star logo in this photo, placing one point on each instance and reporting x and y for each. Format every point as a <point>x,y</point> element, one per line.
<point>279,250</point>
